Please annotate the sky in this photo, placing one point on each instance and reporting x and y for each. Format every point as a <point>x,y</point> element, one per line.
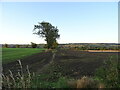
<point>78,22</point>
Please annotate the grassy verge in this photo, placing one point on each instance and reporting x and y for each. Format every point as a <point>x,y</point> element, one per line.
<point>12,54</point>
<point>109,74</point>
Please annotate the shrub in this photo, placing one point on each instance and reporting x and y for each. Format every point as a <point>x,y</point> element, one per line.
<point>17,46</point>
<point>108,73</point>
<point>34,45</point>
<point>6,45</point>
<point>61,83</point>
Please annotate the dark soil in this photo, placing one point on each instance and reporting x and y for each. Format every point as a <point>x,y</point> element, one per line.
<point>81,63</point>
<point>34,62</point>
<point>70,63</point>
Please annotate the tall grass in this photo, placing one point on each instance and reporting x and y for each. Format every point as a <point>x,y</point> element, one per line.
<point>31,80</point>
<point>18,81</point>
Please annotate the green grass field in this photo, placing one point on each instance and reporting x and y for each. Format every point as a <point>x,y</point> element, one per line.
<point>12,54</point>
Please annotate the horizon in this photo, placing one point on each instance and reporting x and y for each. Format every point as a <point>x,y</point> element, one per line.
<point>59,43</point>
<point>78,22</point>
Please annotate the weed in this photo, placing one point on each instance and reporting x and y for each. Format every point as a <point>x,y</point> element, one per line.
<point>30,80</point>
<point>61,83</point>
<point>20,81</point>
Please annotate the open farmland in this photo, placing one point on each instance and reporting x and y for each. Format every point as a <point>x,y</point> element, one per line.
<point>13,54</point>
<point>76,64</point>
<point>70,63</point>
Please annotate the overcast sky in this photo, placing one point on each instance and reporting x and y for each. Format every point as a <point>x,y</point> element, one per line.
<point>78,22</point>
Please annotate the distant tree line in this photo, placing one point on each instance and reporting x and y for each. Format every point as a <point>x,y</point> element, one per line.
<point>90,47</point>
<point>98,48</point>
<point>84,47</point>
<point>32,45</point>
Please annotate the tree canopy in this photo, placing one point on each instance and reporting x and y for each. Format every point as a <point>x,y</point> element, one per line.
<point>47,31</point>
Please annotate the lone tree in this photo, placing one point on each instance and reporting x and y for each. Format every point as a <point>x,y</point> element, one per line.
<point>47,31</point>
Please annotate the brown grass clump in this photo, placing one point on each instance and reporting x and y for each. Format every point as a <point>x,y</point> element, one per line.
<point>101,85</point>
<point>86,82</point>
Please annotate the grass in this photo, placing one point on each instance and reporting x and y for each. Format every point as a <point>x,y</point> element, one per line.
<point>13,54</point>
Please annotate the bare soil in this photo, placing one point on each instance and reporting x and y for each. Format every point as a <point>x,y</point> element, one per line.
<point>34,62</point>
<point>70,63</point>
<point>81,63</point>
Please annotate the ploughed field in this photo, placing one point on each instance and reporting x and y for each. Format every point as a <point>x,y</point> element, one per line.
<point>70,63</point>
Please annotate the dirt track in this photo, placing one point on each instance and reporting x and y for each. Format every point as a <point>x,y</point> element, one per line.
<point>72,63</point>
